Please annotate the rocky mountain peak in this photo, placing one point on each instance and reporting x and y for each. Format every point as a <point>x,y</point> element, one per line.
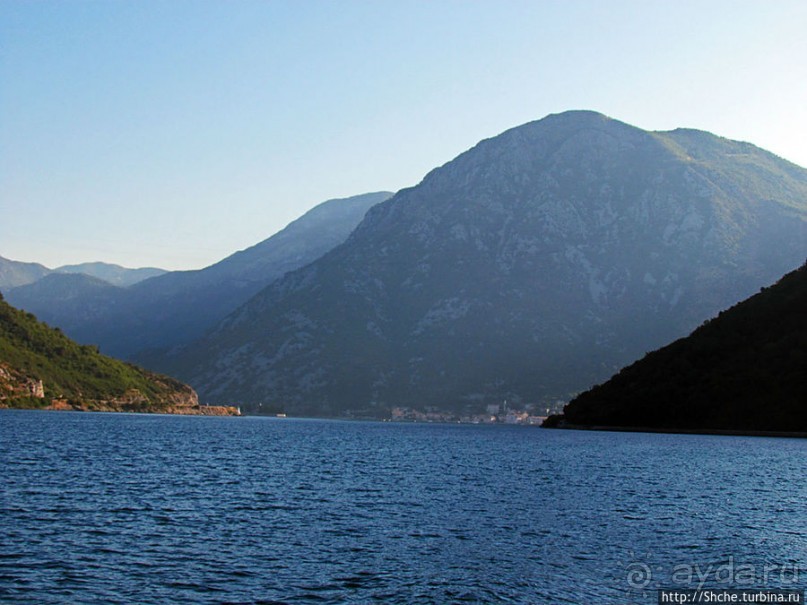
<point>528,268</point>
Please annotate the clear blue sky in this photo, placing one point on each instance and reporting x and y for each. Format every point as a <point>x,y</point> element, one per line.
<point>173,133</point>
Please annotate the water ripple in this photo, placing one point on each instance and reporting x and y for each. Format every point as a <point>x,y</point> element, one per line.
<point>112,508</point>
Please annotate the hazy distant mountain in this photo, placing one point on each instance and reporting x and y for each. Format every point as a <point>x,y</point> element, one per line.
<point>14,273</point>
<point>114,274</point>
<point>527,269</point>
<point>71,301</point>
<point>179,306</point>
<point>745,370</point>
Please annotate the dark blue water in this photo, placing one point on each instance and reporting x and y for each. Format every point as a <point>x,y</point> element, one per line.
<point>111,508</point>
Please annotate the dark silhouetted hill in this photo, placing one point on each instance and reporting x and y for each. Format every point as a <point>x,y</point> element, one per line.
<point>745,370</point>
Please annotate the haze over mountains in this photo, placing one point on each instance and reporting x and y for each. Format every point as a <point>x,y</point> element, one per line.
<point>113,274</point>
<point>15,273</point>
<point>527,269</point>
<point>176,307</point>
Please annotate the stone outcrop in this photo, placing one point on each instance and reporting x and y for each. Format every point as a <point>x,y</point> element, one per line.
<point>14,384</point>
<point>139,407</point>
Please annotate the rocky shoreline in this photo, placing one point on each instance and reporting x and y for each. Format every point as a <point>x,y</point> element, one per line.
<point>179,410</point>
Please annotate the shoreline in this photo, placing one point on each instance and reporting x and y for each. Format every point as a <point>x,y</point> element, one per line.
<point>196,410</point>
<point>679,431</point>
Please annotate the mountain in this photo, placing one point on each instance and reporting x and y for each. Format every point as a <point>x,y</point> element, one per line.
<point>745,370</point>
<point>179,306</point>
<point>71,301</point>
<point>302,241</point>
<point>527,269</point>
<point>14,273</point>
<point>41,367</point>
<point>114,274</point>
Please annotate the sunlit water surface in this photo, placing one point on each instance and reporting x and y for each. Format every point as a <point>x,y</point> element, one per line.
<point>113,508</point>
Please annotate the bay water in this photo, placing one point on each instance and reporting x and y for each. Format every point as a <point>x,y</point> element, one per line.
<point>119,508</point>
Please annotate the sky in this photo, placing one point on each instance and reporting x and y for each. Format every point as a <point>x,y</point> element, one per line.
<point>174,133</point>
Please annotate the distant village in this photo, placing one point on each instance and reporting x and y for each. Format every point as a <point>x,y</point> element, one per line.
<point>495,413</point>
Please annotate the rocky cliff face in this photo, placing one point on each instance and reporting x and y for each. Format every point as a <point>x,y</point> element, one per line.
<point>527,269</point>
<point>16,385</point>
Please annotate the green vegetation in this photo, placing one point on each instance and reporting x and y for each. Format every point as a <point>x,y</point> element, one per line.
<point>745,370</point>
<point>72,374</point>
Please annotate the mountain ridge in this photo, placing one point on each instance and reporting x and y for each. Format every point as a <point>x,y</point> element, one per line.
<point>527,268</point>
<point>112,273</point>
<point>16,273</point>
<point>178,306</point>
